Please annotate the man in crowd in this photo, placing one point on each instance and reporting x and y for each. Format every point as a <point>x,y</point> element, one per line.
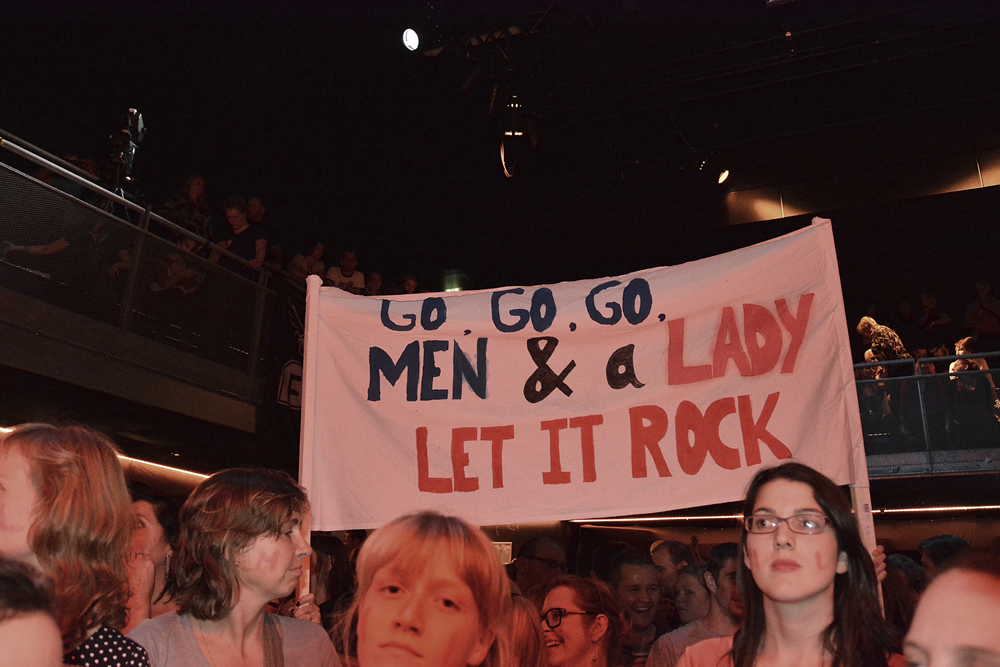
<point>346,276</point>
<point>935,552</point>
<point>244,240</point>
<point>539,561</point>
<point>669,557</point>
<point>257,217</point>
<point>635,584</point>
<point>725,612</point>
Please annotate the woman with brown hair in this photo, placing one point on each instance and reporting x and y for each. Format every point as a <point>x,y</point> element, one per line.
<point>240,547</point>
<point>67,512</point>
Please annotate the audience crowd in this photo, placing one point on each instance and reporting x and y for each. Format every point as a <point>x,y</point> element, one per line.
<point>212,579</point>
<point>93,572</point>
<point>954,398</point>
<point>254,235</point>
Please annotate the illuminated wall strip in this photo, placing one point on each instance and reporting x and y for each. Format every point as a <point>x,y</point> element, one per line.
<point>148,464</point>
<point>739,517</point>
<point>957,508</point>
<point>650,519</point>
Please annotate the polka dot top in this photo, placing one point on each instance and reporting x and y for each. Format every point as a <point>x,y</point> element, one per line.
<point>110,648</point>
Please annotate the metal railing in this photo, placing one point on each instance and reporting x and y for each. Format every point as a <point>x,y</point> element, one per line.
<point>76,251</point>
<point>922,407</point>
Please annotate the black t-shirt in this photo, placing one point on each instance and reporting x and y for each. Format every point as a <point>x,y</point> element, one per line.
<point>244,245</point>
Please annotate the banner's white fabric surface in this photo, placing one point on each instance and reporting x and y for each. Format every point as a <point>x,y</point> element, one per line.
<point>657,390</point>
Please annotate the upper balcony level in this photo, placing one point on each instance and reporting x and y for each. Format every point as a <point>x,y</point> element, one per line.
<point>92,297</point>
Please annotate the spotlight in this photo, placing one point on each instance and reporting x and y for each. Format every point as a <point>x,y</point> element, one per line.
<point>512,143</point>
<point>410,39</point>
<point>515,112</point>
<point>707,166</point>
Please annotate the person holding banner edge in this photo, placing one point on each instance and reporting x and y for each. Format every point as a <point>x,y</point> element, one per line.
<point>808,583</point>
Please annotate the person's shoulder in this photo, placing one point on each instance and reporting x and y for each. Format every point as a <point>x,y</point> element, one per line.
<point>298,627</point>
<point>682,633</point>
<point>708,653</point>
<point>158,623</point>
<point>306,644</point>
<point>105,645</point>
<point>157,630</point>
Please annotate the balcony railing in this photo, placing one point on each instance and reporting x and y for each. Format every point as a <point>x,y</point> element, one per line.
<point>73,244</point>
<point>925,419</point>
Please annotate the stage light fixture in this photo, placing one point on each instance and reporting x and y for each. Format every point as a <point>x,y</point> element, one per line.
<point>515,112</point>
<point>723,176</point>
<point>512,143</point>
<point>410,39</point>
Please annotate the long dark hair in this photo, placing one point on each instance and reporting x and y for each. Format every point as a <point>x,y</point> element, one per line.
<point>857,636</point>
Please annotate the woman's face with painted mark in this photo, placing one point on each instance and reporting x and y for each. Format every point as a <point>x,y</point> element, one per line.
<point>789,566</point>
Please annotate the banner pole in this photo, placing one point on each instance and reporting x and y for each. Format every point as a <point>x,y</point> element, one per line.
<point>308,424</point>
<point>861,498</point>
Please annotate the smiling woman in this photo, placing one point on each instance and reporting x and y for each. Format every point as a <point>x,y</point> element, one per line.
<point>240,547</point>
<point>582,624</point>
<point>431,591</point>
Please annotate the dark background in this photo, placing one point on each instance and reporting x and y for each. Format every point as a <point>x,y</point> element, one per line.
<point>355,141</point>
<point>629,109</point>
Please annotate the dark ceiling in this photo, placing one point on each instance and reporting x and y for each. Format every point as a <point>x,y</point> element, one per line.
<point>358,142</point>
<point>355,141</point>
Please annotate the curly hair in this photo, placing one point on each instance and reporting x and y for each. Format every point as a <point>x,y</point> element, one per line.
<point>413,540</point>
<point>223,516</point>
<point>858,636</point>
<point>82,531</point>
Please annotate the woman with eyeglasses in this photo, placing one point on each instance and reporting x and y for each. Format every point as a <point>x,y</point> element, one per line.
<point>581,623</point>
<point>808,584</point>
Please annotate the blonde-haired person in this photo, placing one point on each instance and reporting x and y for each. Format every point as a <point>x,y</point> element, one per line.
<point>240,547</point>
<point>68,513</point>
<point>526,638</point>
<point>431,591</point>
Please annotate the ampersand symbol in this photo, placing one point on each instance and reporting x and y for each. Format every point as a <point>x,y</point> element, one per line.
<point>544,380</point>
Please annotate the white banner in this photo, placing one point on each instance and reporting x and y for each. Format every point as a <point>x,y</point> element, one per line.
<point>657,390</point>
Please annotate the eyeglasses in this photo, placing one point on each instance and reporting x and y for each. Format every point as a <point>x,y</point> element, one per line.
<point>553,617</point>
<point>807,523</point>
<point>550,563</point>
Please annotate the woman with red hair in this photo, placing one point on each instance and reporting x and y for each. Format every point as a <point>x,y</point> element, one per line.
<point>65,510</point>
